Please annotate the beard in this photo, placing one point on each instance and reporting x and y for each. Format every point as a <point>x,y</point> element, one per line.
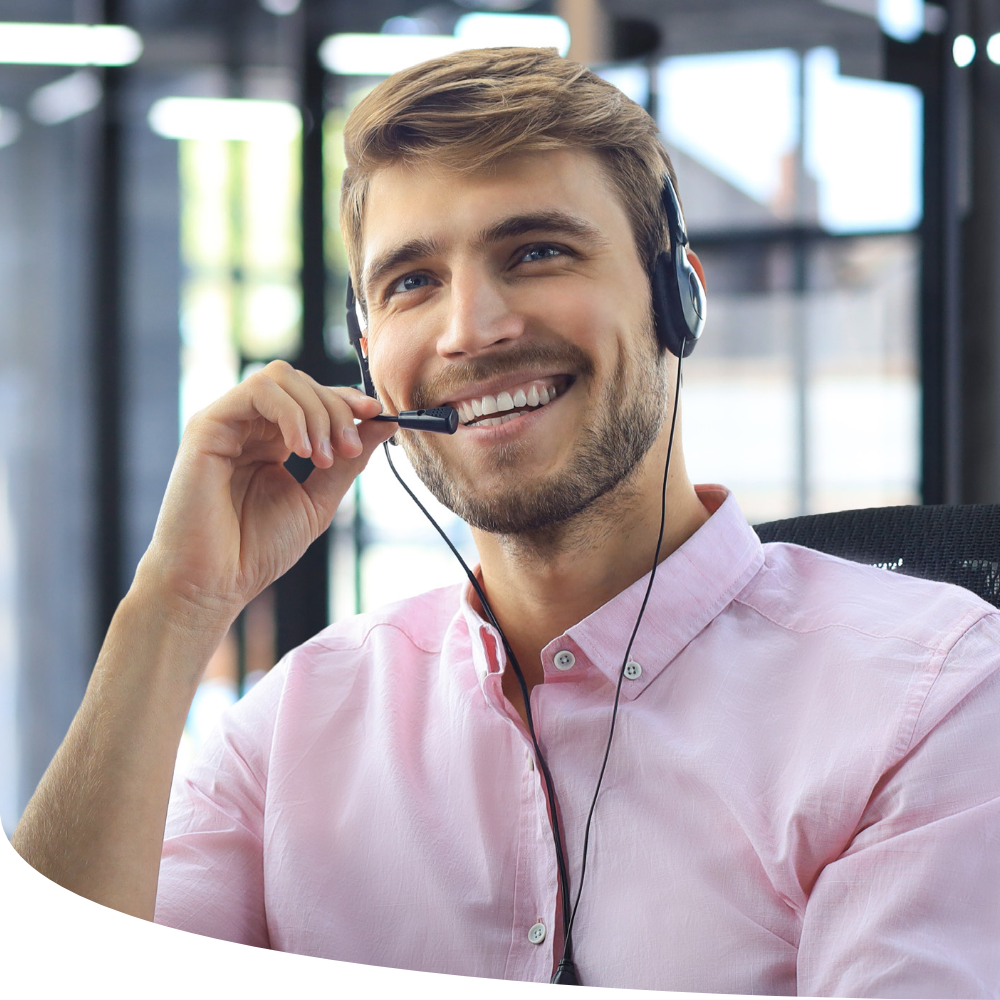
<point>625,422</point>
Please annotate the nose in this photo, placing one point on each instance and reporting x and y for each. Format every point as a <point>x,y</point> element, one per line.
<point>480,315</point>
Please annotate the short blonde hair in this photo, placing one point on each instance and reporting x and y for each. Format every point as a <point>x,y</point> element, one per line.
<point>466,111</point>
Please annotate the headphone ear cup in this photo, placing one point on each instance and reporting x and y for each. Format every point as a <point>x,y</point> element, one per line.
<point>678,303</point>
<point>666,305</point>
<point>678,294</point>
<point>691,299</point>
<point>354,335</point>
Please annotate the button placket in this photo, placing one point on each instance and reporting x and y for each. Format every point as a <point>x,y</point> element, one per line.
<point>536,884</point>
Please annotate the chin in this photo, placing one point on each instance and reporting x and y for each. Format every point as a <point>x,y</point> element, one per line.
<point>604,460</point>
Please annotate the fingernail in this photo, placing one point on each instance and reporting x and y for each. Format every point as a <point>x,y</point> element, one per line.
<point>351,436</point>
<point>307,444</point>
<point>325,449</point>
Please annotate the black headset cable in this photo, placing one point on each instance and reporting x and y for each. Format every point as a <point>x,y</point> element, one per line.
<point>621,673</point>
<point>549,787</point>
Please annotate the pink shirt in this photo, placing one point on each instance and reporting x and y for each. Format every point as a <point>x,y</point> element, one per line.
<point>803,794</point>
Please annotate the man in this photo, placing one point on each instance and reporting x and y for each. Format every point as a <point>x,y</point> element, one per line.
<point>802,793</point>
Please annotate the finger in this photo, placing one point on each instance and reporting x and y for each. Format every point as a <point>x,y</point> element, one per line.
<point>326,487</point>
<point>276,405</point>
<point>344,405</point>
<point>341,438</point>
<point>363,406</point>
<point>315,409</point>
<point>329,412</point>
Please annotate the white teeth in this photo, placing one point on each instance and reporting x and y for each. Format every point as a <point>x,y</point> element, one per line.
<point>535,395</point>
<point>496,421</point>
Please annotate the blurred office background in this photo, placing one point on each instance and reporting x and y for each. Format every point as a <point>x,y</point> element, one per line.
<point>168,194</point>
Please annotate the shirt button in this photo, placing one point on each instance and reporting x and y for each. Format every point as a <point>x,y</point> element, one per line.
<point>633,670</point>
<point>564,659</point>
<point>537,933</point>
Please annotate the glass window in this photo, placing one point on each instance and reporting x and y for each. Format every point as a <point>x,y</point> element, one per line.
<point>803,395</point>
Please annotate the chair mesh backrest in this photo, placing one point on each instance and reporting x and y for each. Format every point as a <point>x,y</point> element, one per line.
<point>954,544</point>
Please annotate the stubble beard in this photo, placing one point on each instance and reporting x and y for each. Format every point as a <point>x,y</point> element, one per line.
<point>594,487</point>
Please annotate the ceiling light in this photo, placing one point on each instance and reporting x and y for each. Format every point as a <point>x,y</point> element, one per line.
<point>993,48</point>
<point>963,50</point>
<point>541,31</point>
<point>67,98</point>
<point>384,54</point>
<point>69,44</point>
<point>902,19</point>
<point>225,118</point>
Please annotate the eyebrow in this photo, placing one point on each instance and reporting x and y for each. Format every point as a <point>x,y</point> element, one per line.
<point>554,222</point>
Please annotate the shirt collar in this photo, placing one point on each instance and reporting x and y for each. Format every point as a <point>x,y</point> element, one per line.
<point>692,586</point>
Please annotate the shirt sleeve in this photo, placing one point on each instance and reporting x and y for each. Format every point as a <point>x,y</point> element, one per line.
<point>211,878</point>
<point>912,907</point>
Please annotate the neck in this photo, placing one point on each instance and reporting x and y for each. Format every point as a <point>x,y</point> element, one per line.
<point>539,586</point>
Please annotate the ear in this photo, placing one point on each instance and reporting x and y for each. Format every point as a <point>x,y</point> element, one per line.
<point>696,264</point>
<point>364,342</point>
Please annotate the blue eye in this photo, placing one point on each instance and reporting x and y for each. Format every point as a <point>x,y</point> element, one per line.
<point>409,283</point>
<point>540,253</point>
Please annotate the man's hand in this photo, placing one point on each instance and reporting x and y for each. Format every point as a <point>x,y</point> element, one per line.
<point>234,519</point>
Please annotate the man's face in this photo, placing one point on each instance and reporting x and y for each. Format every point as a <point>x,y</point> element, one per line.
<point>494,292</point>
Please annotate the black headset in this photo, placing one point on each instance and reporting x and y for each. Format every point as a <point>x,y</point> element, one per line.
<point>678,305</point>
<point>677,292</point>
<point>678,299</point>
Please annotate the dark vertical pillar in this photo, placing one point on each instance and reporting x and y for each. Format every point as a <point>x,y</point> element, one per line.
<point>980,272</point>
<point>107,314</point>
<point>929,65</point>
<point>945,346</point>
<point>302,594</point>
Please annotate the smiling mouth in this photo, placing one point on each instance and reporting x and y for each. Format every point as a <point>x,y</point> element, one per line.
<point>491,411</point>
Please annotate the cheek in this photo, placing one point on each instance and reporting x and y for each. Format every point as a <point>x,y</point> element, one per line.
<point>582,316</point>
<point>394,363</point>
<point>604,324</point>
<point>617,294</point>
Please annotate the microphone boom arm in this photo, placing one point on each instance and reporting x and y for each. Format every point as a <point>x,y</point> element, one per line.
<point>440,419</point>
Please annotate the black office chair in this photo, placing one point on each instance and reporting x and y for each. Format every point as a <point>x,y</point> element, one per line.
<point>954,544</point>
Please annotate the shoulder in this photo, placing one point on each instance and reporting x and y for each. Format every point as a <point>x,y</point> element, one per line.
<point>397,638</point>
<point>871,646</point>
<point>347,665</point>
<point>421,622</point>
<point>803,590</point>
